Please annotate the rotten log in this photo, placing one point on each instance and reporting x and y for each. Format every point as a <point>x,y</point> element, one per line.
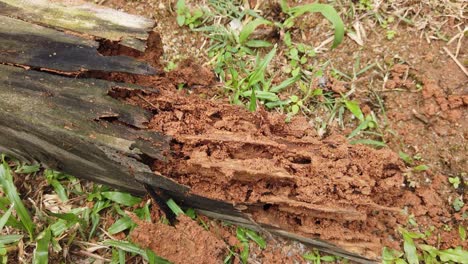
<point>55,114</point>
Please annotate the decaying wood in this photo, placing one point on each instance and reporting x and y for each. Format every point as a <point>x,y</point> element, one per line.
<point>74,124</point>
<point>61,123</point>
<point>75,16</point>
<point>23,43</point>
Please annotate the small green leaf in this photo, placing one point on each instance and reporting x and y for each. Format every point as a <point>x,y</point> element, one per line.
<point>455,181</point>
<point>240,234</point>
<point>256,238</point>
<point>59,227</point>
<point>122,198</point>
<point>353,106</point>
<point>181,8</point>
<point>328,258</point>
<point>311,256</point>
<point>69,217</point>
<point>262,95</point>
<point>406,158</point>
<point>287,39</point>
<point>410,248</point>
<point>58,188</point>
<point>120,225</point>
<point>191,213</point>
<point>458,204</point>
<point>41,253</point>
<point>454,254</point>
<point>422,167</point>
<point>462,232</point>
<point>294,109</point>
<point>294,54</point>
<point>198,13</point>
<point>317,92</point>
<point>277,103</point>
<point>180,20</point>
<point>3,253</point>
<point>254,43</point>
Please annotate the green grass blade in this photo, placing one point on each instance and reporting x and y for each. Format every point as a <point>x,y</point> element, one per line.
<point>256,238</point>
<point>120,225</point>
<point>174,207</point>
<point>41,253</point>
<point>248,28</point>
<point>5,217</point>
<point>285,83</point>
<point>258,74</point>
<point>122,256</point>
<point>358,129</point>
<point>421,167</point>
<point>244,255</point>
<point>132,248</point>
<point>253,100</point>
<point>59,227</point>
<point>125,246</point>
<point>6,181</point>
<point>7,239</point>
<point>122,198</point>
<point>58,188</point>
<point>95,218</point>
<point>258,44</point>
<point>328,12</point>
<point>271,105</point>
<point>461,232</point>
<point>262,95</point>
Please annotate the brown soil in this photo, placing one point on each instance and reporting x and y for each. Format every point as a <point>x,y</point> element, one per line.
<point>187,242</point>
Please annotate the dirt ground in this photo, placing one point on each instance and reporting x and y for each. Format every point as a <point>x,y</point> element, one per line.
<point>289,176</point>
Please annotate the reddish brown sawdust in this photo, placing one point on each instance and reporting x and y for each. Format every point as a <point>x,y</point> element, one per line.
<point>285,175</point>
<point>349,195</point>
<point>185,243</point>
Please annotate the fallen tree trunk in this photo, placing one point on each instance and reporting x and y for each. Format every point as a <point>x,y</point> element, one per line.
<point>251,169</point>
